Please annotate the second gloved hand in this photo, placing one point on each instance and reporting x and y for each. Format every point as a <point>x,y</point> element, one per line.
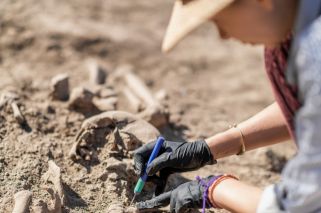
<point>189,195</point>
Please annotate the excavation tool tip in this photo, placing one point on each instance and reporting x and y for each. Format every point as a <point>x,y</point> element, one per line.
<point>131,203</point>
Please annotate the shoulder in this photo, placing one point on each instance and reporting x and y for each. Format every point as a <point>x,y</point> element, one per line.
<point>308,60</point>
<point>309,41</point>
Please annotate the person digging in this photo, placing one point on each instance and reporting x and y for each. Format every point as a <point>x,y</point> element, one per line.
<point>291,33</point>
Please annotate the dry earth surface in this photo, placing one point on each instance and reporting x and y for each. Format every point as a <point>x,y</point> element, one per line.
<point>210,84</point>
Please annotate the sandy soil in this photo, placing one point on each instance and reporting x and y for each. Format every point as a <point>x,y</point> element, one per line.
<point>210,85</point>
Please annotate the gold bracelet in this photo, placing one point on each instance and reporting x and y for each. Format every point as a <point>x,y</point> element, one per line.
<point>242,150</point>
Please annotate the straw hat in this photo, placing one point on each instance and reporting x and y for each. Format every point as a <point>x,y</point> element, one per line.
<point>187,15</point>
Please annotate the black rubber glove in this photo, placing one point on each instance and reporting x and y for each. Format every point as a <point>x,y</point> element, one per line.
<point>186,196</point>
<point>173,157</point>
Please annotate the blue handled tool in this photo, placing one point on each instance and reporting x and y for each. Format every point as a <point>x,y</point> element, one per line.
<point>141,182</point>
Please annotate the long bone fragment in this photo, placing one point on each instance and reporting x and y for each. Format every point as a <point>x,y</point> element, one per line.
<point>22,201</point>
<point>17,114</point>
<point>154,112</point>
<point>133,100</point>
<point>53,175</point>
<point>140,89</point>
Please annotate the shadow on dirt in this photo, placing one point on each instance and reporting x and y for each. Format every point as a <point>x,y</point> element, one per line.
<point>26,127</point>
<point>73,198</point>
<point>174,132</point>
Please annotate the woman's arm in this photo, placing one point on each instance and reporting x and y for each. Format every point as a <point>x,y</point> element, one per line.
<point>235,196</point>
<point>265,128</point>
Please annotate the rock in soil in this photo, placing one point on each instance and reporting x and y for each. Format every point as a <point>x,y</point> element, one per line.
<point>117,129</point>
<point>97,73</point>
<point>60,87</point>
<point>81,100</point>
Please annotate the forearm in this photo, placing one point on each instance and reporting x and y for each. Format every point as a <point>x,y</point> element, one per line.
<point>236,196</point>
<point>265,128</point>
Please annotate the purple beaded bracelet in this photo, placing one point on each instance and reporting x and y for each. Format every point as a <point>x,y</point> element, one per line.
<point>207,186</point>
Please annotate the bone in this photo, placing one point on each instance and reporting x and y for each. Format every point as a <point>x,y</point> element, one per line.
<point>154,111</point>
<point>97,74</point>
<point>55,206</point>
<point>161,95</point>
<point>40,207</point>
<point>107,93</point>
<point>131,131</point>
<point>131,209</point>
<point>17,113</point>
<point>133,100</point>
<point>53,175</point>
<point>105,104</point>
<point>60,87</point>
<point>119,208</point>
<point>115,208</point>
<point>22,201</point>
<point>7,98</point>
<point>138,87</point>
<point>101,91</point>
<point>81,100</point>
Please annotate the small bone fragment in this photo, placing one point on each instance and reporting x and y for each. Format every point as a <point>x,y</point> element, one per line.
<point>107,93</point>
<point>22,201</point>
<point>3,100</point>
<point>53,175</point>
<point>40,207</point>
<point>97,74</point>
<point>133,100</point>
<point>60,87</point>
<point>17,113</point>
<point>105,104</point>
<point>115,208</point>
<point>161,95</point>
<point>7,98</point>
<point>81,100</point>
<point>57,202</point>
<point>131,209</point>
<point>55,207</point>
<point>119,208</point>
<point>101,91</point>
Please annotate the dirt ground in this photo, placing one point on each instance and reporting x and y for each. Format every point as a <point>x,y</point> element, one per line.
<point>210,84</point>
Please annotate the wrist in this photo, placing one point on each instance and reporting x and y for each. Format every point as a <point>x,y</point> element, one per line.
<point>207,153</point>
<point>218,180</point>
<point>225,144</point>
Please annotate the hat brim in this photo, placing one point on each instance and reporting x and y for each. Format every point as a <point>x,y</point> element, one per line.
<point>187,17</point>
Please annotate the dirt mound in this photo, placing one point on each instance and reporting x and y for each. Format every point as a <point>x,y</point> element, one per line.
<point>102,147</point>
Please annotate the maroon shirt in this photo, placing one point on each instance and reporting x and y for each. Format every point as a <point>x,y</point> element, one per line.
<point>285,94</point>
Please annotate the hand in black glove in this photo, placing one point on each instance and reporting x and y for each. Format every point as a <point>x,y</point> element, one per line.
<point>172,157</point>
<point>186,196</point>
